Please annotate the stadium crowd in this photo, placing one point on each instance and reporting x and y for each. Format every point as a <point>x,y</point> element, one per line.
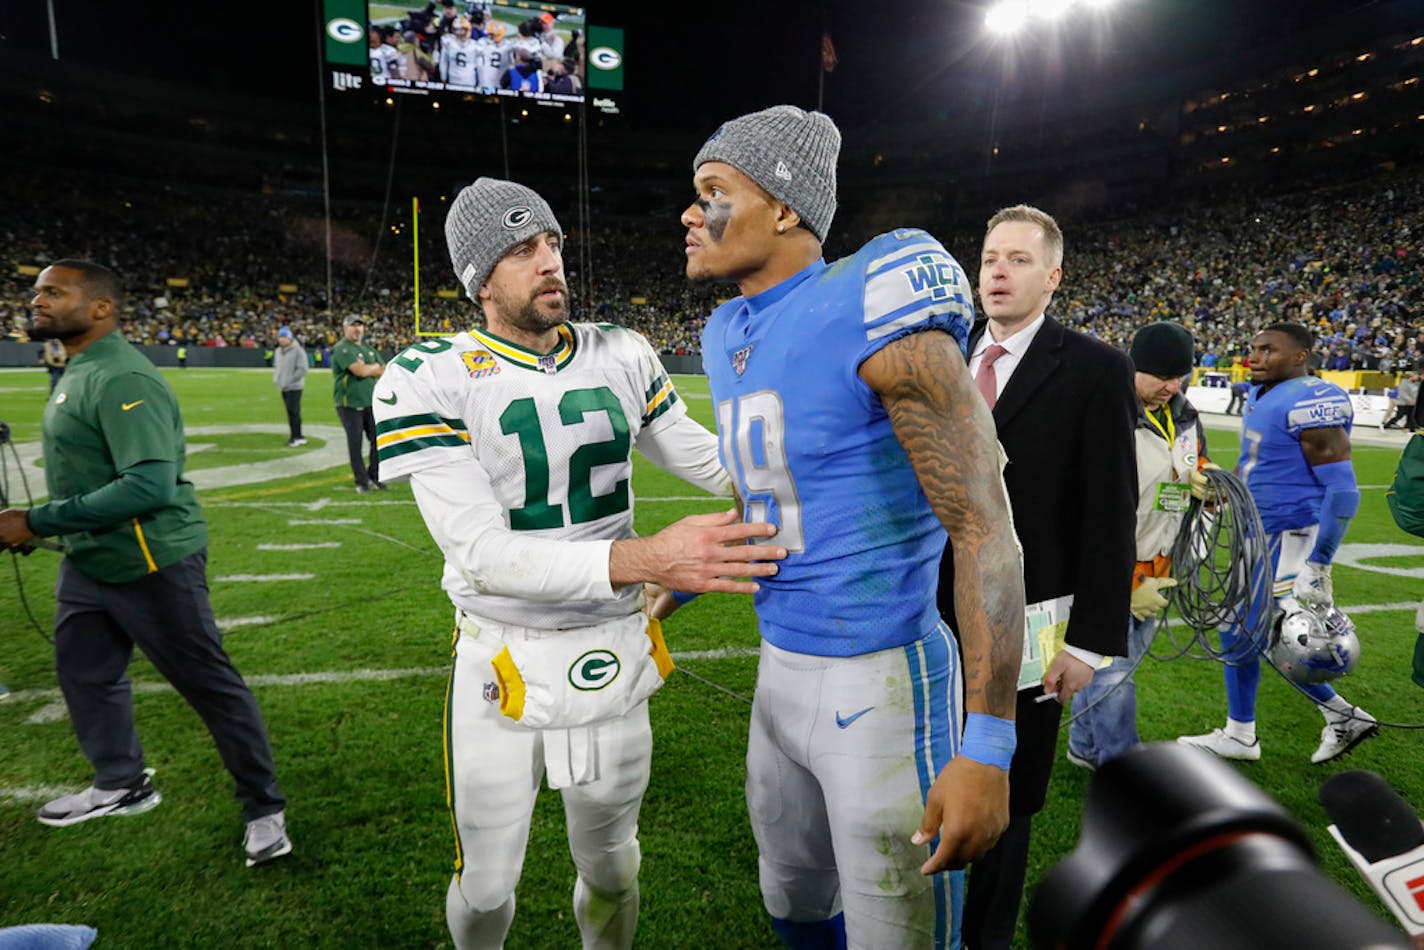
<point>214,268</point>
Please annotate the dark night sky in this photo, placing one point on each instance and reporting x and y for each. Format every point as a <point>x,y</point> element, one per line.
<point>897,58</point>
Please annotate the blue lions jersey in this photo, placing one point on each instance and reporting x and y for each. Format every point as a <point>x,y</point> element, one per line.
<point>812,451</point>
<point>1273,466</point>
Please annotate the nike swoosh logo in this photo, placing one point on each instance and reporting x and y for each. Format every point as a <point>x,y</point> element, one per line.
<point>129,405</point>
<point>846,721</point>
<point>389,402</point>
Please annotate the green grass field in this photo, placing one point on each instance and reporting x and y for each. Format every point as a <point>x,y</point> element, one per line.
<point>346,645</point>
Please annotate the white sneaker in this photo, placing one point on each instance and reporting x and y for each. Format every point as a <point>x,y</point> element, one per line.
<point>266,839</point>
<point>98,802</point>
<point>1081,761</point>
<point>1219,744</point>
<point>1344,733</point>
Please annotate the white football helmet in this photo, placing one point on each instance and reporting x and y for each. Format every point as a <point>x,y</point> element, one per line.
<point>1313,644</point>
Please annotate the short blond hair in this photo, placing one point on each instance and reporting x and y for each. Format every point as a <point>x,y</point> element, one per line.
<point>1052,234</point>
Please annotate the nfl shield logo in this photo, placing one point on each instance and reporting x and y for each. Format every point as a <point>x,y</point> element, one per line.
<point>548,364</point>
<point>739,359</point>
<point>491,692</point>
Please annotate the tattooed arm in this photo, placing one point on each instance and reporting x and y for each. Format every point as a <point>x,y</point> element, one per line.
<point>948,433</point>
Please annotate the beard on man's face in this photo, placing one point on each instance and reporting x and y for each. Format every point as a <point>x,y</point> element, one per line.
<point>50,331</point>
<point>534,315</point>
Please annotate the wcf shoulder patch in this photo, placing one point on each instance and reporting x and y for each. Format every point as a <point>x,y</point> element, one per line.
<point>932,273</point>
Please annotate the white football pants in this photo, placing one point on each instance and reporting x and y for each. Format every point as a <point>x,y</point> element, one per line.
<point>841,755</point>
<point>493,770</point>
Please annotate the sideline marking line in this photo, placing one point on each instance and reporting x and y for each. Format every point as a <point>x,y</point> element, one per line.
<point>226,624</point>
<point>299,547</point>
<point>54,709</point>
<point>260,578</point>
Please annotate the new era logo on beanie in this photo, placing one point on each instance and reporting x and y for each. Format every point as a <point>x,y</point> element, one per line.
<point>790,153</point>
<point>486,220</point>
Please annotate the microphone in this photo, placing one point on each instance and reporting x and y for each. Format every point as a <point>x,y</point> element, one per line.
<point>1384,840</point>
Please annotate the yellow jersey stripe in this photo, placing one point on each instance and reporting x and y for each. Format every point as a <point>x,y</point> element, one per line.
<point>416,432</point>
<point>661,397</point>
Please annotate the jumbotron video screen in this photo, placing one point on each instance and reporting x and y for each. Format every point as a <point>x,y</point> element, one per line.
<point>521,50</point>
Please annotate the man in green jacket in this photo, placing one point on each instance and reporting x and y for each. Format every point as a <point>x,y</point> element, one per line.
<point>355,367</point>
<point>135,565</point>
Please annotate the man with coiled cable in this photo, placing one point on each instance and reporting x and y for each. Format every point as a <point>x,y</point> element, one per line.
<point>1170,447</point>
<point>1295,461</point>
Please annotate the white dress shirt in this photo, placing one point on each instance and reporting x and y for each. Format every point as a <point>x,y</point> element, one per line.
<point>1016,345</point>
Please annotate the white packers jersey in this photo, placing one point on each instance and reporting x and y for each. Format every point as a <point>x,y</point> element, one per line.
<point>553,433</point>
<point>493,60</point>
<point>458,62</point>
<point>385,63</point>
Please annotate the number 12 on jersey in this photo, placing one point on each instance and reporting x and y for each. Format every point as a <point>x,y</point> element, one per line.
<point>752,430</point>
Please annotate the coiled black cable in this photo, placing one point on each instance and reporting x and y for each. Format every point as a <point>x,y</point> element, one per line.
<point>5,476</point>
<point>1222,564</point>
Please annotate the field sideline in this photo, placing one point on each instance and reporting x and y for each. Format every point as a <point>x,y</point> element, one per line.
<point>331,607</point>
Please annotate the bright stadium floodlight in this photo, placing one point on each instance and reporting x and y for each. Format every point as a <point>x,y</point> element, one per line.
<point>1006,17</point>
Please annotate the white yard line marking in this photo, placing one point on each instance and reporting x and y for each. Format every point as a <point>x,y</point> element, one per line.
<point>721,653</point>
<point>30,796</point>
<point>331,453</point>
<point>297,521</point>
<point>232,623</point>
<point>54,710</point>
<point>1373,608</point>
<point>325,503</point>
<point>299,547</point>
<point>261,578</point>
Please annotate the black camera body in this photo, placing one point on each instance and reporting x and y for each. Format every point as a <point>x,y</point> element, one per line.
<point>1179,850</point>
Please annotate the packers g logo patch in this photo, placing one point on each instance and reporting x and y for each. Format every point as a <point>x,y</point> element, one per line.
<point>516,218</point>
<point>594,670</point>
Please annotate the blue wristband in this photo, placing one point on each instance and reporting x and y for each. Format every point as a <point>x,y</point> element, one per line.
<point>682,597</point>
<point>989,740</point>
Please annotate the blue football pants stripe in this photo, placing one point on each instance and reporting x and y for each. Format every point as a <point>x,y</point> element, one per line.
<point>934,677</point>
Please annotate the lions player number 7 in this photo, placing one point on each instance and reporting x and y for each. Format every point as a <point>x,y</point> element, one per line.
<point>753,431</point>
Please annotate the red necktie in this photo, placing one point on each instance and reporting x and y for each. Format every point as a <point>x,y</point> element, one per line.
<point>986,380</point>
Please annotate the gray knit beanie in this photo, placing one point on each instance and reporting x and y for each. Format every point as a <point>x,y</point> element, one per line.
<point>791,154</point>
<point>486,220</point>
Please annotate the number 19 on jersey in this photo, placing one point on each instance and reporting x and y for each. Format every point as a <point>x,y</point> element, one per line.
<point>752,429</point>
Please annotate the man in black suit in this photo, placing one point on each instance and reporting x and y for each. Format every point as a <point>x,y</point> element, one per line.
<point>1065,409</point>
